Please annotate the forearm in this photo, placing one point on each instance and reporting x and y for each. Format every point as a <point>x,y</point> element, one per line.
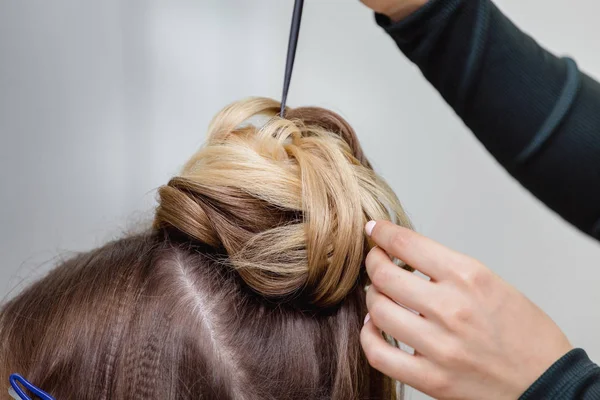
<point>396,10</point>
<point>536,113</point>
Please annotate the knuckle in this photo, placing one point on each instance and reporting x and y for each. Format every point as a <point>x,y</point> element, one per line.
<point>364,340</point>
<point>367,343</point>
<point>450,355</point>
<point>371,259</point>
<point>375,357</point>
<point>377,311</point>
<point>457,318</point>
<point>440,384</point>
<point>461,315</point>
<point>474,276</point>
<point>398,241</point>
<point>379,274</point>
<point>437,308</point>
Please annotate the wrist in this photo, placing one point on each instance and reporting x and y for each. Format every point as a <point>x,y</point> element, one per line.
<point>404,9</point>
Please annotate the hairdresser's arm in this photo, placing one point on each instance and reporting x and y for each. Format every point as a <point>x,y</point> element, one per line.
<point>538,114</point>
<point>476,337</point>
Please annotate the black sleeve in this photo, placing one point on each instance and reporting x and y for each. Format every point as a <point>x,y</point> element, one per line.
<point>536,113</point>
<point>572,377</point>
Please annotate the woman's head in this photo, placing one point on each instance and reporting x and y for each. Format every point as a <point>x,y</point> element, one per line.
<point>249,286</point>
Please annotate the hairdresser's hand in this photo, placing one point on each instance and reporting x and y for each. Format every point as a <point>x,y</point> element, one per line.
<point>476,337</point>
<point>395,9</point>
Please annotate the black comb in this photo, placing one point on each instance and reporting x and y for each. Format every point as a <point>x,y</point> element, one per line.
<point>291,53</point>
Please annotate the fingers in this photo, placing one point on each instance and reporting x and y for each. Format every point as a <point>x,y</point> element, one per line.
<point>398,284</point>
<point>421,253</point>
<point>402,324</point>
<point>388,359</point>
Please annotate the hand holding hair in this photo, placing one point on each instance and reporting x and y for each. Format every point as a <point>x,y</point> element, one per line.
<point>491,73</point>
<point>475,337</point>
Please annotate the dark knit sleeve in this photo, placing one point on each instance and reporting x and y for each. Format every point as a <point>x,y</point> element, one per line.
<point>572,377</point>
<point>538,114</point>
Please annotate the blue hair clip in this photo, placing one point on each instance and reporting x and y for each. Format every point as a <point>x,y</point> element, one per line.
<point>17,393</point>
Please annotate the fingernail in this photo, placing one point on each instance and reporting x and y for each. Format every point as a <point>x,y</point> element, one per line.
<point>369,227</point>
<point>367,318</point>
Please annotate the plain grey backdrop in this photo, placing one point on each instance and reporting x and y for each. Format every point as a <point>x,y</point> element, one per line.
<point>102,101</point>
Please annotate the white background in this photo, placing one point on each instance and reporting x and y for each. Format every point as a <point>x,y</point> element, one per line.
<point>102,101</point>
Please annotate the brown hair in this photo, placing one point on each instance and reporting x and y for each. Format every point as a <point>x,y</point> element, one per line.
<point>249,286</point>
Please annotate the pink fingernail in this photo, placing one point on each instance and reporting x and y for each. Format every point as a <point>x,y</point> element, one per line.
<point>367,318</point>
<point>369,227</point>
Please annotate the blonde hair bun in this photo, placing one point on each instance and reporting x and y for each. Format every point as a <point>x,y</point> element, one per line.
<point>286,199</point>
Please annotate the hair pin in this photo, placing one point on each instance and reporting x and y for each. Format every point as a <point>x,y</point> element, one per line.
<point>16,392</point>
<point>291,52</point>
